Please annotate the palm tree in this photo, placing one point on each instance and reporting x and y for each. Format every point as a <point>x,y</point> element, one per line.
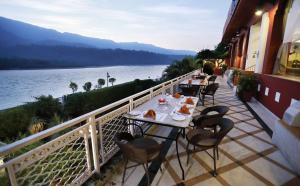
<point>73,86</point>
<point>101,82</point>
<point>87,86</point>
<point>112,80</point>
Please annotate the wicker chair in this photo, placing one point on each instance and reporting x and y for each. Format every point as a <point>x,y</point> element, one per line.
<point>209,90</point>
<point>218,112</point>
<point>138,150</point>
<point>212,79</point>
<point>206,139</point>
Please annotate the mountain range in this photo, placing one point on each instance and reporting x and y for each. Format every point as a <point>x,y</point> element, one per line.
<point>19,40</point>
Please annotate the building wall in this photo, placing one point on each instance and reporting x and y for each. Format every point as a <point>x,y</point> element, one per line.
<point>287,89</point>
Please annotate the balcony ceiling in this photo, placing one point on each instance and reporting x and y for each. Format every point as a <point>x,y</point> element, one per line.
<point>241,17</point>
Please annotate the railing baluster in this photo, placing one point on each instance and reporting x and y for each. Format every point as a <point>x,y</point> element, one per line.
<point>12,176</point>
<point>101,143</point>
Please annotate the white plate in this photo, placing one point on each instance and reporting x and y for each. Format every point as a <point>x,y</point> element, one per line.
<point>178,117</point>
<point>162,103</point>
<point>135,113</point>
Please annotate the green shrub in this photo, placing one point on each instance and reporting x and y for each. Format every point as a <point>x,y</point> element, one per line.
<point>14,121</point>
<point>208,68</point>
<point>224,67</point>
<point>46,107</point>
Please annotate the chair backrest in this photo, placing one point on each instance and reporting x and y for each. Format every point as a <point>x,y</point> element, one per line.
<point>211,88</point>
<point>212,78</point>
<point>225,125</point>
<point>210,120</point>
<point>221,110</point>
<point>123,139</point>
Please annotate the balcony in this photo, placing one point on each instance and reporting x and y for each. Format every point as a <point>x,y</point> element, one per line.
<point>72,152</point>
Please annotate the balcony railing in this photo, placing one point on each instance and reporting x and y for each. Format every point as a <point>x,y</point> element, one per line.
<point>70,153</point>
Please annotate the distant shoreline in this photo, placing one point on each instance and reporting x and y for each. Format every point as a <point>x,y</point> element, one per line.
<point>55,68</point>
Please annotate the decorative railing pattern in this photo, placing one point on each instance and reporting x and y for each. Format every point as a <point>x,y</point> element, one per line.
<point>70,153</point>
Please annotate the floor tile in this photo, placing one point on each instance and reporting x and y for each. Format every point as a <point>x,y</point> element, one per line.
<point>240,176</point>
<point>270,171</point>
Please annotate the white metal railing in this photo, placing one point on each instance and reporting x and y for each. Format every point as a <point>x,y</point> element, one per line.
<point>71,152</point>
<point>251,68</point>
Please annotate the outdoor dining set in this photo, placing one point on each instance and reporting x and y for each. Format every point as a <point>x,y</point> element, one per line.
<point>202,131</point>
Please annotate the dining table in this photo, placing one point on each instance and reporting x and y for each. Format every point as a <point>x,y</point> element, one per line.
<point>194,82</point>
<point>167,114</point>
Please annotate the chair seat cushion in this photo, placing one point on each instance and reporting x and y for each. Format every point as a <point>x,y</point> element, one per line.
<point>201,137</point>
<point>150,145</point>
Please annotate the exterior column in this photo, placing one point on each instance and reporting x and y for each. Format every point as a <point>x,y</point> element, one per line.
<point>245,49</point>
<point>232,56</point>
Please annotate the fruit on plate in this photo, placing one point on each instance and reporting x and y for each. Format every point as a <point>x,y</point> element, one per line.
<point>177,95</point>
<point>189,101</point>
<point>150,114</point>
<point>184,110</point>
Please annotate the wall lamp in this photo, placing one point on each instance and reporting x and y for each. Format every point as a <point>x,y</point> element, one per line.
<point>258,12</point>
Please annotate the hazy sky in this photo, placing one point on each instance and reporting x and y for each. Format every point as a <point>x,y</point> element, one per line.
<point>175,24</point>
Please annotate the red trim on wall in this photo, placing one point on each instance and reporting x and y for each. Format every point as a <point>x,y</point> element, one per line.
<point>288,89</point>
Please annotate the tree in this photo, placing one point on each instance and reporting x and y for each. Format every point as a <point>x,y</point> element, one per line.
<point>73,86</point>
<point>87,86</point>
<point>112,80</point>
<point>215,56</point>
<point>180,67</point>
<point>101,82</point>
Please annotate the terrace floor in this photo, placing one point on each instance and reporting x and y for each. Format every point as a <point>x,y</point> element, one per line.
<point>247,155</point>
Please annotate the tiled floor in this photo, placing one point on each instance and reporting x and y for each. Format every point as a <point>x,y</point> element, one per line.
<point>247,156</point>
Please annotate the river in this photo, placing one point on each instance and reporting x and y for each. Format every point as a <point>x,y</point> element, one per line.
<point>20,86</point>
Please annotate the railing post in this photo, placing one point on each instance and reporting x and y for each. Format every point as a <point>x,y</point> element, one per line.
<point>172,88</point>
<point>94,143</point>
<point>12,176</point>
<point>130,104</point>
<point>87,149</point>
<point>130,109</point>
<point>151,93</point>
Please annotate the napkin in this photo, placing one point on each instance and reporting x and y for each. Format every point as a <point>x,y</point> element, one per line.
<point>150,114</point>
<point>177,95</point>
<point>184,110</point>
<point>189,101</point>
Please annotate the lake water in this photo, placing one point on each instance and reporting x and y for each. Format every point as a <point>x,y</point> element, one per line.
<point>21,86</point>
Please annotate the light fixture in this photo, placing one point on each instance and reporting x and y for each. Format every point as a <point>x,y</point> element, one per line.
<point>258,12</point>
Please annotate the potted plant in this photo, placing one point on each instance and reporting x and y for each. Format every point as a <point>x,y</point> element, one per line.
<point>236,76</point>
<point>247,87</point>
<point>224,68</point>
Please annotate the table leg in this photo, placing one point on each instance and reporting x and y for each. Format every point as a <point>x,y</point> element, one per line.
<point>178,134</point>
